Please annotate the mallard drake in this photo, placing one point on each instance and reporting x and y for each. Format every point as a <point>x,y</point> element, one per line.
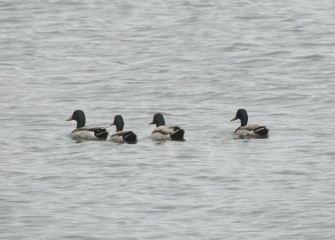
<point>121,136</point>
<point>251,130</point>
<point>86,133</point>
<point>162,132</point>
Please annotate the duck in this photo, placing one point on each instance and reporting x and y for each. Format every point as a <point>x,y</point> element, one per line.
<point>86,133</point>
<point>163,132</point>
<point>249,130</point>
<point>121,136</point>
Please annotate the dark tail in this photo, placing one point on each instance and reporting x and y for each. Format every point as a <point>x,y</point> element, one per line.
<point>262,131</point>
<point>101,133</point>
<point>178,135</point>
<point>130,137</point>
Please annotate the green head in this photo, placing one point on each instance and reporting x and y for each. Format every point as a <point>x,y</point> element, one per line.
<point>158,120</point>
<point>242,115</point>
<point>78,116</point>
<point>118,122</point>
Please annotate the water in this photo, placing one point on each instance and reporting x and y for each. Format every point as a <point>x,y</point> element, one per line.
<point>197,63</point>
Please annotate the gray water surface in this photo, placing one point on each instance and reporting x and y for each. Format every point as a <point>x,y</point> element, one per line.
<point>196,62</point>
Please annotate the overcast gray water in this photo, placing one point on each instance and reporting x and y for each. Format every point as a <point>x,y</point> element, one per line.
<point>196,62</point>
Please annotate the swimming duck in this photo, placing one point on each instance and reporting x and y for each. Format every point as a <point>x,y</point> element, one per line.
<point>86,133</point>
<point>251,130</point>
<point>121,136</point>
<point>162,132</point>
